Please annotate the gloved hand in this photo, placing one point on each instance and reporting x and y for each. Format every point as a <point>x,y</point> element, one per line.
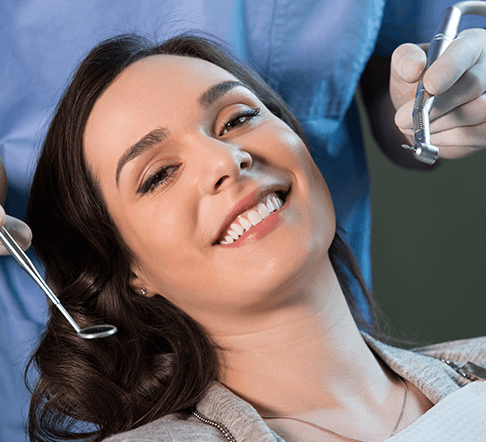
<point>17,228</point>
<point>458,78</point>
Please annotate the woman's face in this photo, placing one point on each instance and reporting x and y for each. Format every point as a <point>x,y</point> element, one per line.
<point>182,151</point>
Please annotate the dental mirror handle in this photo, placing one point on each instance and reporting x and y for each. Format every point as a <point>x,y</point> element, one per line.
<point>25,263</point>
<point>423,150</point>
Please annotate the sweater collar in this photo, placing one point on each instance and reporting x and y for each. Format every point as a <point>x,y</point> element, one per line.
<point>430,375</point>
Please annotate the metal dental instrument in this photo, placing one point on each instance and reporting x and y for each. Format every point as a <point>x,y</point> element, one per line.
<point>94,332</point>
<point>445,33</point>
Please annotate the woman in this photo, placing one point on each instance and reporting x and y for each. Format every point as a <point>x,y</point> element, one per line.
<point>176,198</point>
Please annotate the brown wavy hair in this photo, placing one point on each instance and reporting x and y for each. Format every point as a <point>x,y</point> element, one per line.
<point>160,361</point>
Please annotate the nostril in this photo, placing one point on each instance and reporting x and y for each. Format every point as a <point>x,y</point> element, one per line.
<point>220,181</point>
<point>246,160</point>
<point>244,165</point>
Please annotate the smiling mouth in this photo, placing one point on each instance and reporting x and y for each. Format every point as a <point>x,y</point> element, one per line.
<point>245,221</point>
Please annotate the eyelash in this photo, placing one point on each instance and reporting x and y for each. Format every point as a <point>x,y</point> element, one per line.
<point>242,117</point>
<point>155,180</point>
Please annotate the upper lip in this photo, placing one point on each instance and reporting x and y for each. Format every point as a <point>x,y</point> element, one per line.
<point>248,202</point>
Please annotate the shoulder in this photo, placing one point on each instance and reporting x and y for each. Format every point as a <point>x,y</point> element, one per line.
<point>460,351</point>
<point>171,428</point>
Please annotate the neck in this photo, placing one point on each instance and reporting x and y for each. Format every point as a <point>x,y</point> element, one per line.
<point>304,356</point>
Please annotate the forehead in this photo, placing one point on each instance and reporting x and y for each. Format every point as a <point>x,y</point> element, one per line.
<point>168,81</point>
<point>166,75</point>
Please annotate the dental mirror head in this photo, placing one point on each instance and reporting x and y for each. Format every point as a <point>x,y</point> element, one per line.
<point>93,332</point>
<point>97,331</point>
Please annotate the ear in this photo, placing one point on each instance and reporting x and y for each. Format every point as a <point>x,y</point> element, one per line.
<point>139,286</point>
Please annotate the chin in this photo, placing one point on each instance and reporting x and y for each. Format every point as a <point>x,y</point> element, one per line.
<point>284,276</point>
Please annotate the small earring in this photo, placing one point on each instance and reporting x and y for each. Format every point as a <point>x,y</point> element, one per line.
<point>143,292</point>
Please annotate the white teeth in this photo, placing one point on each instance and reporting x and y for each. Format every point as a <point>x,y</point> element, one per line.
<point>237,229</point>
<point>254,217</point>
<point>277,201</point>
<point>244,223</point>
<point>270,203</point>
<point>263,211</point>
<point>233,235</point>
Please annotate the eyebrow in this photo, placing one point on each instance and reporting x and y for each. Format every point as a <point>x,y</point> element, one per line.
<point>147,142</point>
<point>215,92</point>
<point>156,136</point>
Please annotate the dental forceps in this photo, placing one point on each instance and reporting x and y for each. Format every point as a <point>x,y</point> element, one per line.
<point>94,332</point>
<point>423,150</point>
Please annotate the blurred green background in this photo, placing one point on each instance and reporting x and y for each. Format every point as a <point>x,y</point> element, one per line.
<point>429,246</point>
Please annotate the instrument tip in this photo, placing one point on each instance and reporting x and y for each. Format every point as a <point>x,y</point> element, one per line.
<point>406,146</point>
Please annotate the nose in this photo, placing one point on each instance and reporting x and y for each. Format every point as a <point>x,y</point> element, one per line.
<point>221,163</point>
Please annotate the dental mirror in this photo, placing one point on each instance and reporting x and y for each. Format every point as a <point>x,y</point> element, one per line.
<point>93,332</point>
<point>97,331</point>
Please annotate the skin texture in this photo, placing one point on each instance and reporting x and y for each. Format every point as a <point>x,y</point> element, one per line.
<point>289,344</point>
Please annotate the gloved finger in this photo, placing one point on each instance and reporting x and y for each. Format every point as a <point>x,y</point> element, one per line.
<point>408,61</point>
<point>403,117</point>
<point>457,152</point>
<point>407,64</point>
<point>466,51</point>
<point>471,86</point>
<point>18,229</point>
<point>471,137</point>
<point>472,113</point>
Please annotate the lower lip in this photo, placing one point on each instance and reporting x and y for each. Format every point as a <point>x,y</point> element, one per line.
<point>262,229</point>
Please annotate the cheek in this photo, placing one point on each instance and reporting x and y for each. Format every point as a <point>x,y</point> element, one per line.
<point>156,234</point>
<point>308,175</point>
<point>170,262</point>
<point>320,214</point>
<point>291,153</point>
<point>324,217</point>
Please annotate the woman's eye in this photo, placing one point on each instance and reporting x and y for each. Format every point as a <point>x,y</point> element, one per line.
<point>160,178</point>
<point>239,119</point>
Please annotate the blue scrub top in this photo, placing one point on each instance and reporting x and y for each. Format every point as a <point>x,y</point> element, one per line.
<point>311,52</point>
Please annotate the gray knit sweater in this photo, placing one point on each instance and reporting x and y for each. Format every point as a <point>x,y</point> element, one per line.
<point>225,417</point>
